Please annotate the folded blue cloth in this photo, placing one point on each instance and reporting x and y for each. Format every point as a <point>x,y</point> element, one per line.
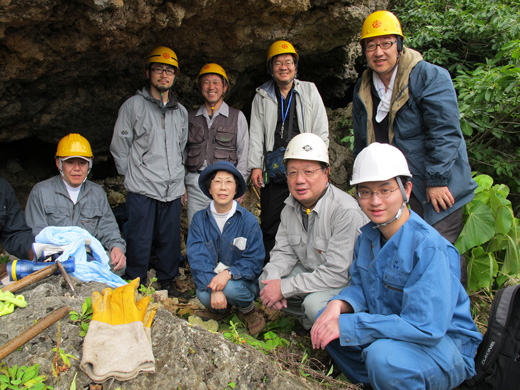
<point>74,239</point>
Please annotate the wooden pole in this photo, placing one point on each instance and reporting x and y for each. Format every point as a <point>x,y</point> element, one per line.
<point>32,278</point>
<point>33,331</point>
<point>66,277</point>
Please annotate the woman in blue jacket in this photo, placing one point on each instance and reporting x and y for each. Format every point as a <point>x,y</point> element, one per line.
<point>225,247</point>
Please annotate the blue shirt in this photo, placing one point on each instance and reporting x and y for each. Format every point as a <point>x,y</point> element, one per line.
<point>207,246</point>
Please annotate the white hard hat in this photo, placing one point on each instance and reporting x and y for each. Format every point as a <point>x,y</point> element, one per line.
<point>307,146</point>
<point>378,162</point>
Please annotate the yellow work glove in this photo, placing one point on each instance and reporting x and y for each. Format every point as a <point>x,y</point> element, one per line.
<point>117,345</point>
<point>8,302</point>
<point>118,306</point>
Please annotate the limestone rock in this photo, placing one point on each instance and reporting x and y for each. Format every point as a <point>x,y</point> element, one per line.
<point>186,357</point>
<point>211,325</point>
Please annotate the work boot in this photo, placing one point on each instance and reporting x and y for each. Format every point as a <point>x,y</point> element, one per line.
<point>173,292</point>
<point>255,321</point>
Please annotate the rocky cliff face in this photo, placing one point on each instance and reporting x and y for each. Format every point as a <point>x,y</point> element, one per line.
<point>67,65</point>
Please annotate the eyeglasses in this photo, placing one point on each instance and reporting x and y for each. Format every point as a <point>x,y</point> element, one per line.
<point>225,183</point>
<point>382,194</point>
<point>160,70</point>
<point>383,45</point>
<point>308,173</point>
<point>288,64</point>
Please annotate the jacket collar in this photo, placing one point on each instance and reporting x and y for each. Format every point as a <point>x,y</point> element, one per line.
<point>325,198</point>
<point>409,58</point>
<point>172,102</point>
<point>407,61</point>
<point>372,233</point>
<point>268,89</point>
<point>59,187</point>
<point>239,210</point>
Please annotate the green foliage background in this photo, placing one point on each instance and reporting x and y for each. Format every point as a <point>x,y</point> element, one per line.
<point>490,237</point>
<point>478,41</point>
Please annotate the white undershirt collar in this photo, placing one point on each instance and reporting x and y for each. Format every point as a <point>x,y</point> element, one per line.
<point>73,191</point>
<point>384,93</point>
<point>221,219</point>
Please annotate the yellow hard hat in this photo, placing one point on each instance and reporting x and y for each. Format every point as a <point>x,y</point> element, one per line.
<point>281,47</point>
<point>163,55</point>
<point>212,68</point>
<point>74,145</point>
<point>381,23</point>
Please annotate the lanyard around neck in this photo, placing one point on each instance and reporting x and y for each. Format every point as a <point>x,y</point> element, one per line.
<point>284,115</point>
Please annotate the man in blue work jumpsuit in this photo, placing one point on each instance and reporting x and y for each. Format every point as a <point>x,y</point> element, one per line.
<point>404,321</point>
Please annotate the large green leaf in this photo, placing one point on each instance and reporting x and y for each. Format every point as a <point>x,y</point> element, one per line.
<point>502,210</point>
<point>482,269</point>
<point>482,197</point>
<point>479,227</point>
<point>497,243</point>
<point>502,190</point>
<point>484,183</point>
<point>511,264</point>
<point>504,220</point>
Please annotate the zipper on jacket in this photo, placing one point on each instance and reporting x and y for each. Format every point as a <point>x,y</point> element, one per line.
<point>163,120</point>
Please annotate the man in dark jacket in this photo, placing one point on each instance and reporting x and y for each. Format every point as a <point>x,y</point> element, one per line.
<point>407,102</point>
<point>15,235</point>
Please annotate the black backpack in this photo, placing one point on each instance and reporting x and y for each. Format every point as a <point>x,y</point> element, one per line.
<point>498,357</point>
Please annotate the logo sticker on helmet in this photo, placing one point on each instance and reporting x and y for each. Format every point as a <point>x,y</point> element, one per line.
<point>307,148</point>
<point>166,55</point>
<point>376,24</point>
<point>284,46</point>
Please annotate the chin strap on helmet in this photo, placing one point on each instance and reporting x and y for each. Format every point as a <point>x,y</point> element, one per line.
<point>400,212</point>
<point>63,175</point>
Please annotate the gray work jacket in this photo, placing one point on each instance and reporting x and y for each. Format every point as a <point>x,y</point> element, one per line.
<point>49,204</point>
<point>310,111</point>
<point>325,250</point>
<point>147,146</point>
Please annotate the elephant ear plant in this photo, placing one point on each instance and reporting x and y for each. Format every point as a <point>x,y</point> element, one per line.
<point>490,237</point>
